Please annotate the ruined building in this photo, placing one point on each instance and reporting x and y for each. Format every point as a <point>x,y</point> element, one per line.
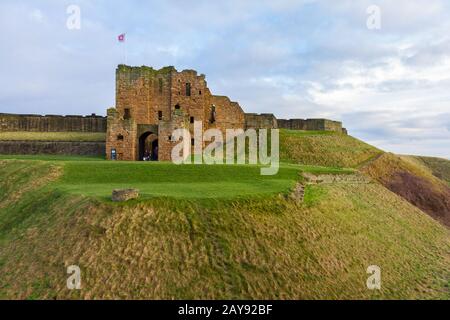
<point>151,103</point>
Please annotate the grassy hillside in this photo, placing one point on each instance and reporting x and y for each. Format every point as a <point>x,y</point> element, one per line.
<point>53,136</point>
<point>238,247</point>
<point>439,167</point>
<point>324,148</point>
<point>409,178</point>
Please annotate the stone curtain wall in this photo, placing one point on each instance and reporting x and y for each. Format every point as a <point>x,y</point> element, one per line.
<point>51,123</point>
<point>260,121</point>
<point>269,121</point>
<point>52,147</point>
<point>311,125</point>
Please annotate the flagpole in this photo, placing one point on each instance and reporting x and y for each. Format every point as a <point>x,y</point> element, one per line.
<point>122,39</point>
<point>126,51</point>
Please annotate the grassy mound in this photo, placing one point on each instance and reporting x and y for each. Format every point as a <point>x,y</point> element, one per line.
<point>324,148</point>
<point>97,178</point>
<point>153,179</point>
<point>53,136</point>
<point>256,248</point>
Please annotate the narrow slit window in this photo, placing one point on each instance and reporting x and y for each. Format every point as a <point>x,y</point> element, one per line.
<point>160,85</point>
<point>192,120</point>
<point>188,89</point>
<point>160,115</point>
<point>212,118</point>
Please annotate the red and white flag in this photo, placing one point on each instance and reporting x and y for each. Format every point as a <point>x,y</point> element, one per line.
<point>121,37</point>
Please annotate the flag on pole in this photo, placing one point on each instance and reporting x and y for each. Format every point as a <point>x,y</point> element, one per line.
<point>121,37</point>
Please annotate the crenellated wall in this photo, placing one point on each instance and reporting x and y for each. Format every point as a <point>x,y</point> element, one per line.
<point>51,123</point>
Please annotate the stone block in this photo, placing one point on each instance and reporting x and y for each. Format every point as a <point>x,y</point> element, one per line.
<point>121,195</point>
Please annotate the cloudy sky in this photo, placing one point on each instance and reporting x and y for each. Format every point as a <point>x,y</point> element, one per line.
<point>297,59</point>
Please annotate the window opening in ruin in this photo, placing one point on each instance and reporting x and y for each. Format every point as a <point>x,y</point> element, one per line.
<point>192,119</point>
<point>127,114</point>
<point>188,89</point>
<point>213,114</point>
<point>192,142</point>
<point>177,107</point>
<point>200,92</point>
<point>120,137</point>
<point>160,115</point>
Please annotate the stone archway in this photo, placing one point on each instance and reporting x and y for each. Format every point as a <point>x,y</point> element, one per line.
<point>148,146</point>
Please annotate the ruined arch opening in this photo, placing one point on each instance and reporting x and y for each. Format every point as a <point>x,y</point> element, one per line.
<point>148,146</point>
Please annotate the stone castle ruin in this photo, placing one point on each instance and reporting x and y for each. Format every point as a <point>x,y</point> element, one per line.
<point>150,104</point>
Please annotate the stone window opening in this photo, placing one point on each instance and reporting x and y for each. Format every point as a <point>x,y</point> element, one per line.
<point>212,119</point>
<point>127,114</point>
<point>120,137</point>
<point>191,120</point>
<point>160,85</point>
<point>192,141</point>
<point>188,89</point>
<point>177,107</point>
<point>160,115</point>
<point>199,92</point>
<point>169,138</point>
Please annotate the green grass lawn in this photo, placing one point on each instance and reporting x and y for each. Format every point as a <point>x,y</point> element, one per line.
<point>53,136</point>
<point>51,157</point>
<point>157,179</point>
<point>96,177</point>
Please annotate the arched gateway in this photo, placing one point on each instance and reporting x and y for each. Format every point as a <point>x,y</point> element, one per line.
<point>148,146</point>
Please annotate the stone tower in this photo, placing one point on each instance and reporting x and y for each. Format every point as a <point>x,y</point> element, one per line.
<point>151,103</point>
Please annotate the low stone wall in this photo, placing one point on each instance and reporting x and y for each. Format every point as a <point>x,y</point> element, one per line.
<point>51,123</point>
<point>53,147</point>
<point>260,121</point>
<point>310,124</point>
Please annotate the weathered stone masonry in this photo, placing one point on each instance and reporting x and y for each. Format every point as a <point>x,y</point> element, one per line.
<point>51,123</point>
<point>150,105</point>
<point>79,148</point>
